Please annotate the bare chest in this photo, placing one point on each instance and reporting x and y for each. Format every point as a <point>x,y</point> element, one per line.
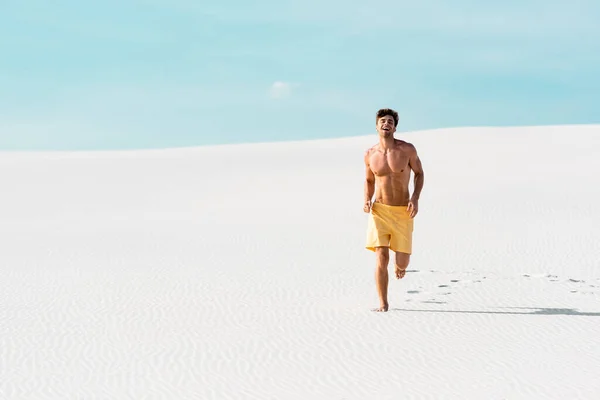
<point>394,162</point>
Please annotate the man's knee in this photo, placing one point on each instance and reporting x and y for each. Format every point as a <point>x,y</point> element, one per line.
<point>402,260</point>
<point>383,254</point>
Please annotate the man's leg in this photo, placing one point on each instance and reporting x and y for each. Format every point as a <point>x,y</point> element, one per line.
<point>381,276</point>
<point>402,260</point>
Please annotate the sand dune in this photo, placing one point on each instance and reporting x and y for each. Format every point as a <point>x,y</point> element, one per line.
<point>239,272</point>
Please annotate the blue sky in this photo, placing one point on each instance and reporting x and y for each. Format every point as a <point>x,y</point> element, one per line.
<point>168,73</point>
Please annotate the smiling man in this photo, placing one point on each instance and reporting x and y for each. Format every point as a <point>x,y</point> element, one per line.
<point>391,214</point>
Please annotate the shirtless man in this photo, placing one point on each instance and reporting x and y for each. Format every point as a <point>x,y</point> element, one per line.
<point>388,168</point>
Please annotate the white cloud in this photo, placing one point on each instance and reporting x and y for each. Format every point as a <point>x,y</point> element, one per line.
<point>281,90</point>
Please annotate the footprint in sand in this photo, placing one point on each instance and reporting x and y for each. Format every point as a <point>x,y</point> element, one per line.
<point>581,283</point>
<point>584,293</point>
<point>461,282</point>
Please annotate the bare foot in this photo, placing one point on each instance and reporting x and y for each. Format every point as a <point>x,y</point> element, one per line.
<point>383,308</point>
<point>400,273</point>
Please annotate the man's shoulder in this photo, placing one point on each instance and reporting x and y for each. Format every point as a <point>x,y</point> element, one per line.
<point>371,149</point>
<point>404,145</point>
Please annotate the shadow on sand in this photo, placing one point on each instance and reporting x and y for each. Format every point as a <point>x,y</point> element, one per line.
<point>534,311</point>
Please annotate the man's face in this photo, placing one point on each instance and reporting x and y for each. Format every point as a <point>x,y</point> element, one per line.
<point>385,126</point>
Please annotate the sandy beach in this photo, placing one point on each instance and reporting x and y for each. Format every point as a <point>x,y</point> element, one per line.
<point>239,272</point>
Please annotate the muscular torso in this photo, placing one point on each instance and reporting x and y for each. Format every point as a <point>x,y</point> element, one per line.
<point>392,173</point>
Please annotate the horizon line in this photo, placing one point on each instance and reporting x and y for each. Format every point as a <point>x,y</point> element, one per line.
<point>289,141</point>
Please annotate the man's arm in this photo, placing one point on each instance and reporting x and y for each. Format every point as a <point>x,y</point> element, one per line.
<point>415,164</point>
<point>369,183</point>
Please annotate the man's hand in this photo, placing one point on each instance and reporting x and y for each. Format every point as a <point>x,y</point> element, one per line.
<point>367,207</point>
<point>413,207</point>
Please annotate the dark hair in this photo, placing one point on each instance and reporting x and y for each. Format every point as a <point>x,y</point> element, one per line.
<point>387,111</point>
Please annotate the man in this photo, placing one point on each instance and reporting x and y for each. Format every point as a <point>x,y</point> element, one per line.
<point>388,168</point>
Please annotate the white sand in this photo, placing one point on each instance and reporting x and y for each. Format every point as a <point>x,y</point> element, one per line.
<point>239,272</point>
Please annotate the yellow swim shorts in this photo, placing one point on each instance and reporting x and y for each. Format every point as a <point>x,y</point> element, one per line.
<point>390,226</point>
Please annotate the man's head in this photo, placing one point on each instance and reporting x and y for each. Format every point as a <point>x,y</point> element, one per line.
<point>386,122</point>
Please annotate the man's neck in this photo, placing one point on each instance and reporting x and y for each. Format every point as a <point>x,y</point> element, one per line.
<point>386,143</point>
